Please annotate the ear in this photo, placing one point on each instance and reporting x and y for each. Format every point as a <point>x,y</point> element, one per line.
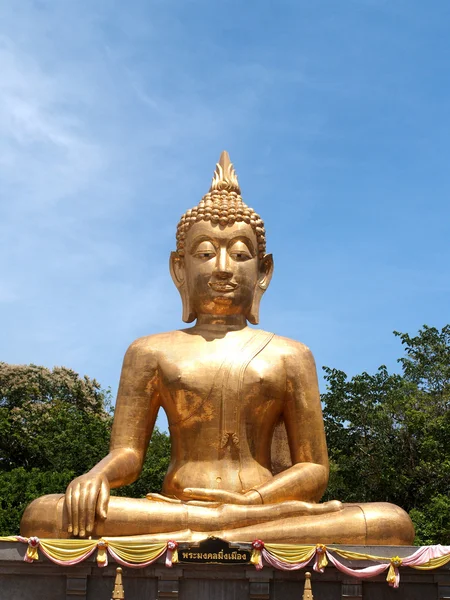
<point>177,271</point>
<point>265,275</point>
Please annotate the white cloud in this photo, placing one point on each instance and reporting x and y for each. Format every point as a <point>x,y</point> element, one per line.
<point>44,155</point>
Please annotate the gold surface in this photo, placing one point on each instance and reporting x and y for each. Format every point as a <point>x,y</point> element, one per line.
<point>249,456</point>
<point>307,590</point>
<point>118,592</point>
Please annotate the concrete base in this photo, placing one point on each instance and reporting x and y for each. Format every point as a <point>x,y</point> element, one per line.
<point>44,580</point>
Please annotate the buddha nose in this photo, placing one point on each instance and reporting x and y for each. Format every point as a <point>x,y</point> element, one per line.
<point>223,270</point>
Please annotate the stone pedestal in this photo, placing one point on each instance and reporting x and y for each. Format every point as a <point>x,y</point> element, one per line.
<point>44,580</point>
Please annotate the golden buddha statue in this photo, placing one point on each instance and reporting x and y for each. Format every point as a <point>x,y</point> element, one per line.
<point>249,457</point>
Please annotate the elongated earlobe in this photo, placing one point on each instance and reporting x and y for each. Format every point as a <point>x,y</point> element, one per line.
<point>178,277</point>
<point>265,275</point>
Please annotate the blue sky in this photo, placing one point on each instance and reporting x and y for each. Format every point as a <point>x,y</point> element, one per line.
<point>113,114</point>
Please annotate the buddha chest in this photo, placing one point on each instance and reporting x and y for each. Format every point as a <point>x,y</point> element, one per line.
<point>224,385</point>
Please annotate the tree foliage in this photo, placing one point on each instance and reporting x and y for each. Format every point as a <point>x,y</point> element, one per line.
<point>19,487</point>
<point>54,425</point>
<point>389,434</point>
<point>51,420</point>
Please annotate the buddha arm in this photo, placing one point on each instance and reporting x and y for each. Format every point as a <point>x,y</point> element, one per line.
<point>134,419</point>
<point>308,477</point>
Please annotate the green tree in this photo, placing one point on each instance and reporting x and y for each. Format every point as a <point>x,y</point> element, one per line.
<point>52,420</point>
<point>19,487</point>
<point>389,434</point>
<point>54,425</point>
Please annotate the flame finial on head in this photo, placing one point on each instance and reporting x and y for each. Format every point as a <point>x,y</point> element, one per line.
<point>225,177</point>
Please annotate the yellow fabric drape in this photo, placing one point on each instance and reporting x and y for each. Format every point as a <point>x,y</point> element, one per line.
<point>357,555</point>
<point>32,553</point>
<point>133,551</point>
<point>67,550</point>
<point>136,552</point>
<point>291,554</point>
<point>255,558</point>
<point>434,563</point>
<point>102,553</point>
<point>396,562</point>
<point>74,549</point>
<point>390,578</point>
<point>322,560</point>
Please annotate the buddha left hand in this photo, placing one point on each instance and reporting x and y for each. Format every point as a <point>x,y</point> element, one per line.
<point>203,496</point>
<point>222,496</point>
<point>212,498</point>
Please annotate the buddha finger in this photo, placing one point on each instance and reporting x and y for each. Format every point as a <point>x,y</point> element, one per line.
<point>319,509</point>
<point>203,494</point>
<point>309,508</point>
<point>160,498</point>
<point>204,503</point>
<point>82,510</point>
<point>103,500</point>
<point>75,508</point>
<point>68,499</point>
<point>91,504</point>
<point>332,506</point>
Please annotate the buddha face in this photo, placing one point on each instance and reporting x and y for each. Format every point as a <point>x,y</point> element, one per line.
<point>220,272</point>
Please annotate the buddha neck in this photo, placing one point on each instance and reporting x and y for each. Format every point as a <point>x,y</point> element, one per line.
<point>220,323</point>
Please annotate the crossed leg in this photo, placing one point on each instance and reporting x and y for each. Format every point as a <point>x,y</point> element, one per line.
<point>288,522</point>
<point>46,516</point>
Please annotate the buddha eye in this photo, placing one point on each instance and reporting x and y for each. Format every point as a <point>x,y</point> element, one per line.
<point>205,251</point>
<point>240,256</point>
<point>240,252</point>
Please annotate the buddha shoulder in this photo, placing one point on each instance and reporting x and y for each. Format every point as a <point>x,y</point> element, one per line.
<point>296,355</point>
<point>150,347</point>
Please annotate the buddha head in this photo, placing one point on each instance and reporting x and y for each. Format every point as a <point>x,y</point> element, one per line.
<point>220,266</point>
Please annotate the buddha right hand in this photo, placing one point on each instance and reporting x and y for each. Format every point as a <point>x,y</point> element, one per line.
<point>86,498</point>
